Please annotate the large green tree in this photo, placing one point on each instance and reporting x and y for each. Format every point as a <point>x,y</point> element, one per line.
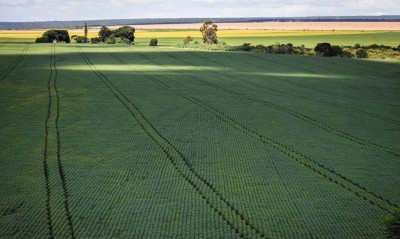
<point>209,31</point>
<point>125,32</point>
<point>54,35</point>
<point>104,33</point>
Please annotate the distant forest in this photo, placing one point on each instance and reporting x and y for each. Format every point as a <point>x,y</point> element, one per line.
<point>146,21</point>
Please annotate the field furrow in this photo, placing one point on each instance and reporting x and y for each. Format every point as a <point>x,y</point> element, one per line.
<point>58,213</point>
<point>328,128</point>
<point>205,189</point>
<point>131,141</point>
<point>15,63</point>
<point>321,169</point>
<point>240,80</point>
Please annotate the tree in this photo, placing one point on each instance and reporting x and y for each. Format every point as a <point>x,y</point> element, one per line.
<point>362,53</point>
<point>153,42</point>
<point>325,49</point>
<point>104,33</point>
<point>126,32</point>
<point>187,40</point>
<point>209,31</point>
<point>86,33</point>
<point>54,35</point>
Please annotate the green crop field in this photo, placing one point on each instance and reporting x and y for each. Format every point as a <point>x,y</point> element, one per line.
<point>103,141</point>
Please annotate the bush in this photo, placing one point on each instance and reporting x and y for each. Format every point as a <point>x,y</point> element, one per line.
<point>323,49</point>
<point>247,47</point>
<point>122,40</point>
<point>346,54</point>
<point>95,40</point>
<point>153,42</point>
<point>42,40</point>
<point>187,40</point>
<point>79,39</point>
<point>362,53</point>
<point>111,40</point>
<point>336,51</point>
<point>260,48</point>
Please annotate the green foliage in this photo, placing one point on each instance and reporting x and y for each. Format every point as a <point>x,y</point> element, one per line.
<point>209,32</point>
<point>346,54</point>
<point>187,40</point>
<point>42,40</point>
<point>392,223</point>
<point>79,39</point>
<point>125,32</point>
<point>153,42</point>
<point>95,40</point>
<point>111,40</point>
<point>362,53</point>
<point>54,35</point>
<point>247,47</point>
<point>325,49</point>
<point>104,33</point>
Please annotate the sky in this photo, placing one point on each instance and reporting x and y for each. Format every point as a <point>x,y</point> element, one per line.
<point>59,10</point>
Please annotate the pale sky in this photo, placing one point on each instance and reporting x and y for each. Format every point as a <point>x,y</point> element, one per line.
<point>53,10</point>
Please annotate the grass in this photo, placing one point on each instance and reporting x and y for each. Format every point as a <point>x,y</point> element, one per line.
<point>134,141</point>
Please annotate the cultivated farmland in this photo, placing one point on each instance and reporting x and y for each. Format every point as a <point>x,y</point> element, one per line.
<point>139,142</point>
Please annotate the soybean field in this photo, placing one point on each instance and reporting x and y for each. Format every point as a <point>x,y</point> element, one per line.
<point>138,142</point>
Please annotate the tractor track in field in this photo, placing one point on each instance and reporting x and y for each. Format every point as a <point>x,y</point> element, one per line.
<point>45,153</point>
<point>318,168</point>
<point>15,63</point>
<point>323,126</point>
<point>51,113</point>
<point>372,115</point>
<point>225,210</point>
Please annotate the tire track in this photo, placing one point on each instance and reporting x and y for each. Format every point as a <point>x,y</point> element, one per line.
<point>14,64</point>
<point>45,153</point>
<point>50,127</point>
<point>225,210</point>
<point>322,170</point>
<point>312,121</point>
<point>59,162</point>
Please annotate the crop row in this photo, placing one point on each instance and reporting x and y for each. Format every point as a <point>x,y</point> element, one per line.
<point>330,103</point>
<point>323,170</point>
<point>14,64</point>
<point>54,174</point>
<point>204,188</point>
<point>315,65</point>
<point>327,128</point>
